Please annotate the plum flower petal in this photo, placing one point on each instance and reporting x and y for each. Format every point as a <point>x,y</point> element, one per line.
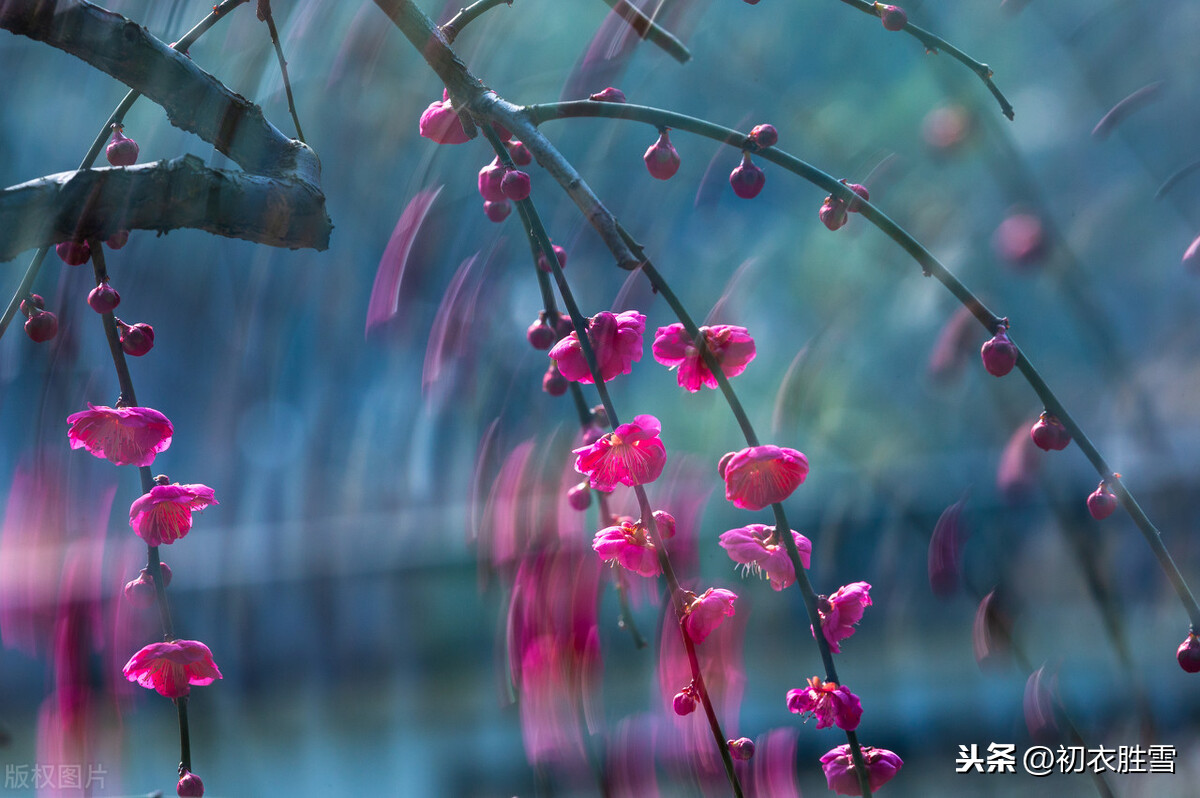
<point>759,476</point>
<point>732,347</point>
<point>830,703</point>
<point>172,668</point>
<point>627,545</point>
<point>632,454</point>
<point>881,763</point>
<point>440,123</point>
<point>707,611</point>
<point>757,547</point>
<point>616,340</point>
<point>121,435</point>
<point>842,610</point>
<point>164,515</point>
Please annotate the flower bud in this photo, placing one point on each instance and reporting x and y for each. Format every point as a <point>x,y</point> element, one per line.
<point>893,17</point>
<point>554,383</point>
<point>559,253</point>
<point>41,326</point>
<point>541,335</point>
<point>74,253</point>
<point>662,161</point>
<point>118,239</point>
<point>764,135</point>
<point>490,179</point>
<point>609,95</point>
<point>664,522</point>
<point>189,786</point>
<point>580,496</point>
<point>140,592</point>
<point>742,748</point>
<point>136,340</point>
<point>1049,433</point>
<point>32,304</point>
<point>683,703</point>
<point>1102,502</point>
<point>833,213</point>
<point>515,185</point>
<point>121,151</point>
<point>747,179</point>
<point>104,298</point>
<point>999,354</point>
<point>723,462</point>
<point>497,211</point>
<point>519,153</point>
<point>1188,654</point>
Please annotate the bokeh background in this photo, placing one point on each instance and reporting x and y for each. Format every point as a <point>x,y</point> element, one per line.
<point>391,500</point>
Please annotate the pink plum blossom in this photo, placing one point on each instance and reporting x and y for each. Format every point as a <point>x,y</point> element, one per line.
<point>707,611</point>
<point>830,703</point>
<point>440,123</point>
<point>757,547</point>
<point>881,763</point>
<point>841,611</point>
<point>759,476</point>
<point>122,435</point>
<point>731,346</point>
<point>164,515</point>
<point>632,454</point>
<point>171,668</point>
<point>627,545</point>
<point>616,339</point>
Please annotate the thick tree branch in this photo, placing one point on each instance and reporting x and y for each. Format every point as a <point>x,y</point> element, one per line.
<point>162,196</point>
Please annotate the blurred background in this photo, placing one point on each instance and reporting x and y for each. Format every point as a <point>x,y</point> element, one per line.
<point>399,598</point>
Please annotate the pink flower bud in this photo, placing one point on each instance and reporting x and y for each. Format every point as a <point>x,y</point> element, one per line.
<point>664,522</point>
<point>833,213</point>
<point>684,703</point>
<point>855,206</point>
<point>764,135</point>
<point>104,298</point>
<point>166,572</point>
<point>74,253</point>
<point>140,592</point>
<point>440,123</point>
<point>121,151</point>
<point>564,327</point>
<point>519,153</point>
<point>609,95</point>
<point>32,304</point>
<point>560,254</point>
<point>1020,240</point>
<point>41,326</point>
<point>118,239</point>
<point>515,185</point>
<point>541,335</point>
<point>893,17</point>
<point>662,161</point>
<point>580,496</point>
<point>747,179</point>
<point>1049,433</point>
<point>742,748</point>
<point>999,353</point>
<point>497,211</point>
<point>136,340</point>
<point>554,383</point>
<point>490,179</point>
<point>1188,654</point>
<point>1102,502</point>
<point>189,786</point>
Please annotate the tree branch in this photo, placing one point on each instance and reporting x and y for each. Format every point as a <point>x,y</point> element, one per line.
<point>162,196</point>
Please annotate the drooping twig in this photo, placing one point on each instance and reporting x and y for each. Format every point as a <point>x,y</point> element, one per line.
<point>264,14</point>
<point>650,30</point>
<point>466,15</point>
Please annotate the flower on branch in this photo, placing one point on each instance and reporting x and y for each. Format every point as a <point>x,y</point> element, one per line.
<point>440,123</point>
<point>732,347</point>
<point>881,763</point>
<point>757,547</point>
<point>616,340</point>
<point>172,668</point>
<point>122,435</point>
<point>830,703</point>
<point>164,515</point>
<point>841,611</point>
<point>707,611</point>
<point>632,454</point>
<point>759,476</point>
<point>626,544</point>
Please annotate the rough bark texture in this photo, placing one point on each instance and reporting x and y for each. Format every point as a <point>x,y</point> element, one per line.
<point>283,174</point>
<point>162,196</point>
